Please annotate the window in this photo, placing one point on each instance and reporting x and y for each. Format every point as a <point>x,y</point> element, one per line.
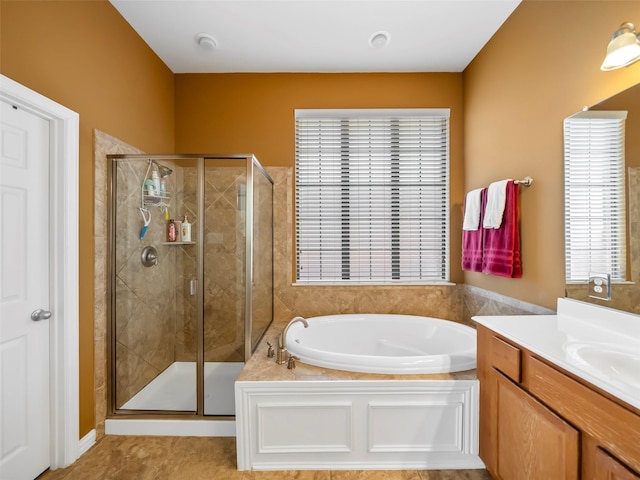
<point>595,222</point>
<point>372,195</point>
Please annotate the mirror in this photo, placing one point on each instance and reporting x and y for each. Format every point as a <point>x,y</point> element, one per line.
<point>624,295</point>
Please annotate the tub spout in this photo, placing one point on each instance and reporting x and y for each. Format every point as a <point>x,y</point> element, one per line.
<point>282,341</point>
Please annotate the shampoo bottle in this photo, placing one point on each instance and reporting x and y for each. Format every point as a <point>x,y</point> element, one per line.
<point>186,230</point>
<point>171,231</point>
<point>156,181</point>
<point>150,188</point>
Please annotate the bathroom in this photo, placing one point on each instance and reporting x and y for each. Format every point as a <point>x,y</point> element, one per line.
<point>506,107</point>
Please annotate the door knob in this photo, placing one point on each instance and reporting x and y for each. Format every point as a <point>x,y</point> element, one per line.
<point>40,314</point>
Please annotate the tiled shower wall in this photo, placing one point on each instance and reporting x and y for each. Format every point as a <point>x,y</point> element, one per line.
<point>103,145</point>
<point>224,235</point>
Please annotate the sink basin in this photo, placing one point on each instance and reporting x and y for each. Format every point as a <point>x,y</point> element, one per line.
<point>619,364</point>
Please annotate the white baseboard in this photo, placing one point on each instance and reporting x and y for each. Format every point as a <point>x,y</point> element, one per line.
<point>86,442</point>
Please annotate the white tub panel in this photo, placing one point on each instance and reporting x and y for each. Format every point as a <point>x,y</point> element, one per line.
<point>286,427</point>
<point>415,427</point>
<point>415,424</point>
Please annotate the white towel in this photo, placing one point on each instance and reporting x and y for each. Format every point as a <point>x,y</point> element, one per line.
<point>496,197</point>
<point>472,210</point>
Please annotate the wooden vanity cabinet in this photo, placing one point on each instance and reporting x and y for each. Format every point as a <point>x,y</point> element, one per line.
<point>539,423</point>
<point>531,441</point>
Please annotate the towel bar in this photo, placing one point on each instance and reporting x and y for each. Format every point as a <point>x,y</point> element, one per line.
<point>527,181</point>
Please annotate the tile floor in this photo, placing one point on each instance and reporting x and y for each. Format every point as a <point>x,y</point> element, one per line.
<point>212,458</point>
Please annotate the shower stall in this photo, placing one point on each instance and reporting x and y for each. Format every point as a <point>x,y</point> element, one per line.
<point>191,280</point>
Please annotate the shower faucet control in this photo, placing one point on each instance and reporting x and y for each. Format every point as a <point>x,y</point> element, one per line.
<point>149,256</point>
<point>270,351</point>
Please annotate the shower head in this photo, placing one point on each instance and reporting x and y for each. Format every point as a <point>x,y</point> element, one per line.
<point>162,170</point>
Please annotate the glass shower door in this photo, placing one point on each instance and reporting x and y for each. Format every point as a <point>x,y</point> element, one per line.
<point>154,314</point>
<point>224,285</point>
<point>262,258</point>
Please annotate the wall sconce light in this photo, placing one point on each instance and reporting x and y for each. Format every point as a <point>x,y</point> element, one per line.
<point>623,49</point>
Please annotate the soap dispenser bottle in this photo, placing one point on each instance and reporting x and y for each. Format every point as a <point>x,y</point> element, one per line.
<point>186,230</point>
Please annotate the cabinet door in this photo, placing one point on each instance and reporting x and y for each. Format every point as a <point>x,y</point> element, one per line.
<point>608,468</point>
<point>533,443</point>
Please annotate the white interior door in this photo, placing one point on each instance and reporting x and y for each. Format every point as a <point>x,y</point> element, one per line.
<point>24,288</point>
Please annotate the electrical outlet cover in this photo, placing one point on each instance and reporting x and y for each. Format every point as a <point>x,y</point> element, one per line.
<point>600,286</point>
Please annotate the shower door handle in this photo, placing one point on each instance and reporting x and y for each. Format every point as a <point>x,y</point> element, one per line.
<point>40,314</point>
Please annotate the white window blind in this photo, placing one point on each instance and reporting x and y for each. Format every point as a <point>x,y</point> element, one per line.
<point>595,220</point>
<point>372,196</point>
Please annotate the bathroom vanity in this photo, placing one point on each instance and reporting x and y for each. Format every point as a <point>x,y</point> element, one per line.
<point>560,394</point>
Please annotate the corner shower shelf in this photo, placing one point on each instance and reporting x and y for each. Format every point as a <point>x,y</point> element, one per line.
<point>177,243</point>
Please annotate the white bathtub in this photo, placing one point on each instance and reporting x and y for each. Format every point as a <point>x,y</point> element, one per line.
<point>374,343</point>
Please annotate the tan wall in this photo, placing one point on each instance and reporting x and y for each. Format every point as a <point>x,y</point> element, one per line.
<point>86,57</point>
<point>254,113</point>
<point>540,67</point>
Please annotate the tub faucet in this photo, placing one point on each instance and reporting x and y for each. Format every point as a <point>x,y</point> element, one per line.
<point>282,341</point>
<point>291,363</point>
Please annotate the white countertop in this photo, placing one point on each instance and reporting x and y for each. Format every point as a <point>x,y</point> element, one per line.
<point>578,324</point>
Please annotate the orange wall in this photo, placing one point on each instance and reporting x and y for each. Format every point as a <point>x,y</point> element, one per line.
<point>540,67</point>
<point>83,55</point>
<point>254,113</point>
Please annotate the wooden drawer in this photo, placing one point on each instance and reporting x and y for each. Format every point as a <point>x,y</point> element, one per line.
<point>608,468</point>
<point>507,359</point>
<point>616,428</point>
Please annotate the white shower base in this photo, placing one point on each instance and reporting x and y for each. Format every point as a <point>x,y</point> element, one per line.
<point>175,390</point>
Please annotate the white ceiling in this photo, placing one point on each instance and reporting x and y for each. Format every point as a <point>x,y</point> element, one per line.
<point>316,35</point>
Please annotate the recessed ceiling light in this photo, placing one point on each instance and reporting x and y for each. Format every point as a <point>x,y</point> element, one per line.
<point>206,41</point>
<point>379,40</point>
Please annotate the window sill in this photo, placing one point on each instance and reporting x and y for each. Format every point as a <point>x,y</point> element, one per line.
<point>373,284</point>
<point>613,282</point>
